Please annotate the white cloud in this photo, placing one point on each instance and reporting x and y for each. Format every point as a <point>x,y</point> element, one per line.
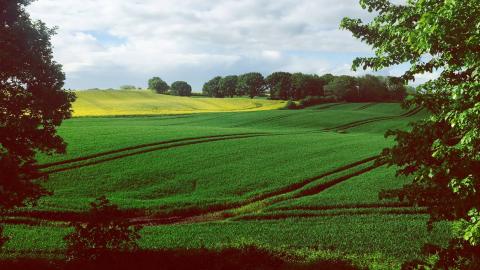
<point>111,42</point>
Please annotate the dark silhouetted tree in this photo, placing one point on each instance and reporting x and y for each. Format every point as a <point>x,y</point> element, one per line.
<point>441,152</point>
<point>327,78</point>
<point>280,85</point>
<point>180,88</point>
<point>397,91</point>
<point>229,85</point>
<point>251,84</point>
<point>341,86</point>
<point>212,88</point>
<point>105,230</point>
<point>32,103</point>
<point>304,85</point>
<point>371,88</point>
<point>158,85</point>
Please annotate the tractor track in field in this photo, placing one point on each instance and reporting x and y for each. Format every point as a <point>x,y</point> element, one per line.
<point>195,121</point>
<point>303,183</point>
<point>213,213</point>
<point>342,206</point>
<point>135,147</point>
<point>346,212</point>
<point>147,150</point>
<point>368,105</point>
<point>327,106</point>
<point>264,120</point>
<point>263,200</point>
<point>374,119</point>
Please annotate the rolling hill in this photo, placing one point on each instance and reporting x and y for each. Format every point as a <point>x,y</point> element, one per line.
<point>146,102</point>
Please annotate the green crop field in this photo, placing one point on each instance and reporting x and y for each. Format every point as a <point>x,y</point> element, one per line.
<point>301,180</point>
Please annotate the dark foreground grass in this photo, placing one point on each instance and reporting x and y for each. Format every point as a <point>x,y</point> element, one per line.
<point>380,239</point>
<point>250,257</point>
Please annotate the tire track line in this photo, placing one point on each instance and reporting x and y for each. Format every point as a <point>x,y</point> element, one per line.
<point>344,212</point>
<point>372,120</point>
<point>215,212</point>
<point>148,150</point>
<point>368,105</point>
<point>63,162</point>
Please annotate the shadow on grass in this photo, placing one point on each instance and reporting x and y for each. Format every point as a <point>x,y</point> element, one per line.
<point>246,258</point>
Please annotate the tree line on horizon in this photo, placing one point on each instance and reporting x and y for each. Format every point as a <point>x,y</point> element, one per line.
<point>294,86</point>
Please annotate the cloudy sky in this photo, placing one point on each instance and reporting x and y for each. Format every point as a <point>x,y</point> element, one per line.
<point>110,43</point>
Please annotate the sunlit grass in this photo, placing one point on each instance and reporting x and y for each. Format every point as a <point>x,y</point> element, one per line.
<point>146,102</point>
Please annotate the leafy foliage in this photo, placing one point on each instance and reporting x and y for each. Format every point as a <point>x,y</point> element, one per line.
<point>305,85</point>
<point>341,86</point>
<point>280,85</point>
<point>212,88</point>
<point>251,84</point>
<point>104,231</point>
<point>228,85</point>
<point>159,85</point>
<point>3,239</point>
<point>181,88</point>
<point>32,103</point>
<point>441,152</point>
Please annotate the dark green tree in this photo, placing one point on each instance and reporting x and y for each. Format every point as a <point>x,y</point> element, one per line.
<point>371,89</point>
<point>307,85</point>
<point>342,87</point>
<point>229,85</point>
<point>105,230</point>
<point>280,85</point>
<point>159,85</point>
<point>180,88</point>
<point>397,90</point>
<point>251,84</point>
<point>212,88</point>
<point>327,78</point>
<point>441,152</point>
<point>32,103</point>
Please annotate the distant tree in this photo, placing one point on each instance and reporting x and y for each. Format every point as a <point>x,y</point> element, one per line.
<point>371,89</point>
<point>251,84</point>
<point>128,87</point>
<point>410,90</point>
<point>291,105</point>
<point>159,85</point>
<point>181,88</point>
<point>304,85</point>
<point>440,152</point>
<point>280,85</point>
<point>342,85</point>
<point>397,91</point>
<point>212,88</point>
<point>32,103</point>
<point>327,78</point>
<point>105,230</point>
<point>228,85</point>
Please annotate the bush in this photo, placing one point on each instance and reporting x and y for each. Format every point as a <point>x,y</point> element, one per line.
<point>158,85</point>
<point>105,231</point>
<point>291,105</point>
<point>312,101</point>
<point>128,87</point>
<point>181,88</point>
<point>3,239</point>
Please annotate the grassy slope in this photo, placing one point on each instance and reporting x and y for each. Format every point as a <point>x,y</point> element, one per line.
<point>281,150</point>
<point>146,102</point>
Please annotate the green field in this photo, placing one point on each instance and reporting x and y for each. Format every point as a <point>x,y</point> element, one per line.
<point>284,179</point>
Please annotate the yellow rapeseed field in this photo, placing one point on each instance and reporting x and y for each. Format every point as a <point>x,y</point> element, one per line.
<point>146,102</point>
